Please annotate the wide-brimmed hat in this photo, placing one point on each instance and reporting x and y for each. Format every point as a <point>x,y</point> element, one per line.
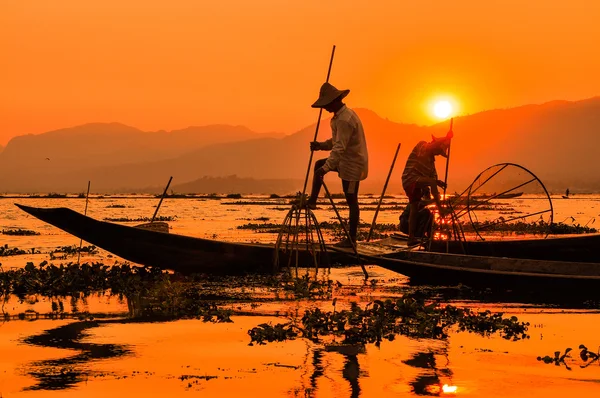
<point>328,94</point>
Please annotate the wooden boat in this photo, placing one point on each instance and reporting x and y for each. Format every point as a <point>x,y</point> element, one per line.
<point>509,273</point>
<point>509,195</point>
<point>169,251</point>
<point>580,248</point>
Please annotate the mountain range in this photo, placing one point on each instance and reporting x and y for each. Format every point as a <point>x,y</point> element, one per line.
<point>557,141</point>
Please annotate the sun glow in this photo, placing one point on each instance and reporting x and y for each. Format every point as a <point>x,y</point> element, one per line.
<point>442,109</point>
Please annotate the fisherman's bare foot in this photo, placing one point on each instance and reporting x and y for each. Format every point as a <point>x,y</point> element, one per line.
<point>345,243</point>
<point>413,242</point>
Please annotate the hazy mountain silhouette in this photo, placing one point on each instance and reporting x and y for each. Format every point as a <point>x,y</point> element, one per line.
<point>556,140</point>
<point>100,144</point>
<point>235,184</point>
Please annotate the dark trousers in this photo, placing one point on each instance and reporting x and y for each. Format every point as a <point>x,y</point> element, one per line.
<point>351,193</point>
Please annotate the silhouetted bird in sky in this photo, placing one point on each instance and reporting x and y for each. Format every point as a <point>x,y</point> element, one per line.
<point>47,158</point>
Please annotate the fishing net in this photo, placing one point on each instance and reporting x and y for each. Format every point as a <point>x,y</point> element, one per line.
<point>504,200</point>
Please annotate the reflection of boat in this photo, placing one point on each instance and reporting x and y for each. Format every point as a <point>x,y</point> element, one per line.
<point>171,251</point>
<point>443,268</point>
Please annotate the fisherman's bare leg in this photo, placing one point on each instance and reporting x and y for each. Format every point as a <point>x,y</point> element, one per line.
<point>316,184</point>
<point>351,193</point>
<point>412,222</point>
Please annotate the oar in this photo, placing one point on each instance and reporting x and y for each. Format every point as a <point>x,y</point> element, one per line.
<point>316,131</point>
<point>383,193</point>
<point>161,199</point>
<point>87,195</point>
<point>337,213</point>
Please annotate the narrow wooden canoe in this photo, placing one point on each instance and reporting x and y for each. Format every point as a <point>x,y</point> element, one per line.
<point>510,273</point>
<point>580,248</point>
<point>169,251</point>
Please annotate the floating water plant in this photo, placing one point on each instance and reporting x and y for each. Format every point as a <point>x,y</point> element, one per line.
<point>141,219</point>
<point>19,231</point>
<point>14,251</point>
<point>384,320</point>
<point>72,250</point>
<point>587,357</point>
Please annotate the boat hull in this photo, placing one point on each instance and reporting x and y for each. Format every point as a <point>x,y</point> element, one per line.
<point>579,248</point>
<point>479,271</point>
<point>180,253</point>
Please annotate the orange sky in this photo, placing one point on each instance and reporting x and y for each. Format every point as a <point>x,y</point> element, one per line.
<point>170,64</point>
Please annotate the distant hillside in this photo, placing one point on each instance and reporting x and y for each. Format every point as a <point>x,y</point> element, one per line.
<point>235,184</point>
<point>557,141</point>
<point>106,144</point>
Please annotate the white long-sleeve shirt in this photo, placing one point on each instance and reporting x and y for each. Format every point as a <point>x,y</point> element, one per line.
<point>348,146</point>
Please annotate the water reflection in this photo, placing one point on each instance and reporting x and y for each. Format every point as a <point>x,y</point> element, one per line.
<point>63,373</point>
<point>429,381</point>
<point>351,372</point>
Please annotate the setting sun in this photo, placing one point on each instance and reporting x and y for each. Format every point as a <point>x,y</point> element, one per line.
<point>442,109</point>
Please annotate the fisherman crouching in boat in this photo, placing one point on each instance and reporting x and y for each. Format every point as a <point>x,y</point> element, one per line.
<point>348,156</point>
<point>420,174</point>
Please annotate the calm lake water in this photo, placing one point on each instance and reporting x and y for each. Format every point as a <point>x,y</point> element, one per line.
<point>189,357</point>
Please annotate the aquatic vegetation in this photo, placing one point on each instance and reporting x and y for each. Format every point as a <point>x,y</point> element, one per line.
<point>384,320</point>
<point>150,292</point>
<point>116,206</point>
<point>587,357</point>
<point>140,219</point>
<point>19,231</point>
<point>527,228</point>
<point>72,250</point>
<point>307,287</point>
<point>334,226</point>
<point>51,195</point>
<point>6,251</point>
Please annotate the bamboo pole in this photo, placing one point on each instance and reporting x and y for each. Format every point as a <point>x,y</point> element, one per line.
<point>383,193</point>
<point>448,159</point>
<point>161,199</point>
<point>316,131</point>
<point>87,195</point>
<point>337,213</point>
<point>445,186</point>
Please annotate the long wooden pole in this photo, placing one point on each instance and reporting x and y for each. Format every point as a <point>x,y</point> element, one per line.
<point>387,180</point>
<point>87,195</point>
<point>337,213</point>
<point>448,159</point>
<point>316,130</point>
<point>445,187</point>
<point>161,199</point>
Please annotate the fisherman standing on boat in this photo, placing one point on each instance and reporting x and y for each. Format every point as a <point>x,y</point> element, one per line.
<point>420,174</point>
<point>348,156</point>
